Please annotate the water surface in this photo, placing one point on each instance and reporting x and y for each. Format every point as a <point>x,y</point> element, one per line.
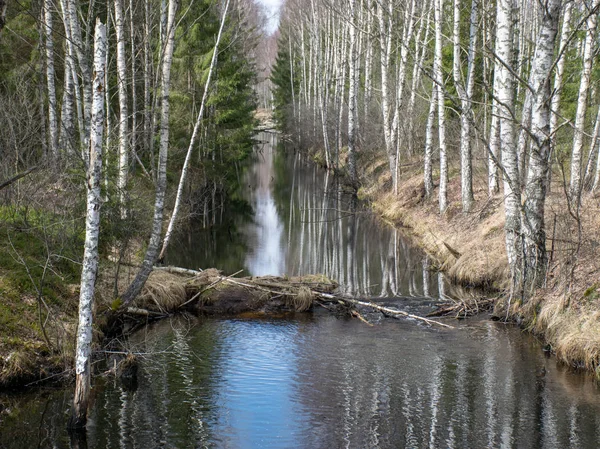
<point>319,380</point>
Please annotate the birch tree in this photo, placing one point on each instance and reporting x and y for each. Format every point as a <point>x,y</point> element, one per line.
<point>558,80</point>
<point>50,79</point>
<point>503,90</point>
<point>92,229</point>
<point>193,139</point>
<point>123,171</point>
<point>584,86</point>
<point>535,193</point>
<point>465,94</point>
<point>441,110</point>
<point>161,180</point>
<point>353,80</point>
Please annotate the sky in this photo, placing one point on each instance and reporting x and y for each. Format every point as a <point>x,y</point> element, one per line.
<point>272,7</point>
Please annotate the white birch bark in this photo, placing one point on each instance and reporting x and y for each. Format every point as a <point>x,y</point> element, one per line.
<point>134,110</point>
<point>353,79</point>
<point>420,49</point>
<point>368,90</point>
<point>584,85</point>
<point>50,79</point>
<point>558,82</point>
<point>428,162</point>
<point>439,80</point>
<point>384,15</point>
<point>193,139</point>
<point>593,153</point>
<point>84,69</point>
<point>535,194</point>
<point>465,93</point>
<point>161,180</point>
<point>409,22</point>
<point>92,229</point>
<point>123,171</point>
<point>503,90</point>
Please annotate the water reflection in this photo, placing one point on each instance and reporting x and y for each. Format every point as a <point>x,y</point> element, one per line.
<point>323,382</point>
<point>318,381</point>
<point>303,222</point>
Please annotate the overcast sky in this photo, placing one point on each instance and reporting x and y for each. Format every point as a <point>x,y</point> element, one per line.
<point>273,11</point>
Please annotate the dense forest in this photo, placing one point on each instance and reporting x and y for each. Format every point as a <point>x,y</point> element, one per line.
<point>475,124</point>
<point>505,93</point>
<point>121,120</point>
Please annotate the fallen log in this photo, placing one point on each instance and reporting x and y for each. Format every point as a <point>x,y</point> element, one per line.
<point>170,289</point>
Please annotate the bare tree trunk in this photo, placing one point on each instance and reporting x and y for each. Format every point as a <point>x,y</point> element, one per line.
<point>188,156</point>
<point>533,229</point>
<point>584,85</point>
<point>420,49</point>
<point>352,93</point>
<point>558,83</point>
<point>465,93</point>
<point>503,91</point>
<point>92,229</point>
<point>428,168</point>
<point>86,75</point>
<point>161,184</point>
<point>385,50</point>
<point>134,111</point>
<point>439,80</point>
<point>50,79</point>
<point>593,154</point>
<point>123,172</point>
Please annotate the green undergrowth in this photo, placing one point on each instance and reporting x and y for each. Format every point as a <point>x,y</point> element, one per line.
<point>39,274</point>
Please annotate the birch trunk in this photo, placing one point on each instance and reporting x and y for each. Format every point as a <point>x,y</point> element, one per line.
<point>161,182</point>
<point>420,49</point>
<point>352,93</point>
<point>439,80</point>
<point>558,83</point>
<point>123,171</point>
<point>593,154</point>
<point>193,139</point>
<point>533,229</point>
<point>465,92</point>
<point>503,91</point>
<point>584,85</point>
<point>400,80</point>
<point>428,169</point>
<point>84,69</point>
<point>385,50</point>
<point>134,111</point>
<point>50,79</point>
<point>92,228</point>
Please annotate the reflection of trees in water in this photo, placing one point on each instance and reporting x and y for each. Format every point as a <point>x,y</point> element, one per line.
<point>388,394</point>
<point>330,232</point>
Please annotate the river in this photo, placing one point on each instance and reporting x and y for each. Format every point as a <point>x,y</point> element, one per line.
<point>318,380</point>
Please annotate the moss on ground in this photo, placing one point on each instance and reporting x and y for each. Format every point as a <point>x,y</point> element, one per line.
<point>38,301</point>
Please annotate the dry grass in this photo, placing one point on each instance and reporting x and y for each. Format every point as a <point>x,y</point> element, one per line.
<point>302,301</point>
<point>471,249</point>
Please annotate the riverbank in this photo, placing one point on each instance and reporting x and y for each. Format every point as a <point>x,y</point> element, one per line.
<point>470,249</point>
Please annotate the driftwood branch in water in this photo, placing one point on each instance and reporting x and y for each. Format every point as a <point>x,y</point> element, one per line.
<point>17,177</point>
<point>385,310</point>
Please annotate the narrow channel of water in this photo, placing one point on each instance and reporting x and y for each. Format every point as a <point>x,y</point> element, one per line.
<point>316,380</point>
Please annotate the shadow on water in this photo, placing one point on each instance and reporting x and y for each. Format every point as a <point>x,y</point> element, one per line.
<point>317,380</point>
